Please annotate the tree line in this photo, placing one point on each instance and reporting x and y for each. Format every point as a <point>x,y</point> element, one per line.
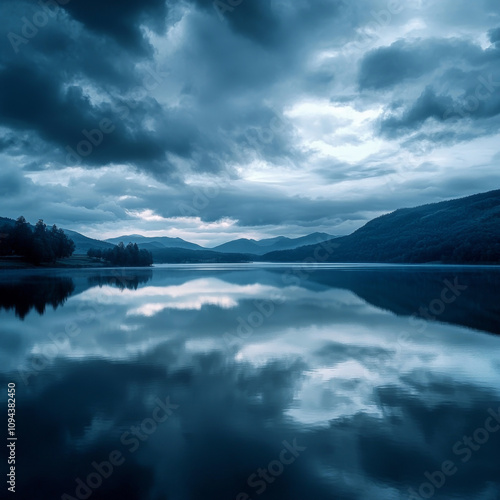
<point>36,245</point>
<point>121,255</point>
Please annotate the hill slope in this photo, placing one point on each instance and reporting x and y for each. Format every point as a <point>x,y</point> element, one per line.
<point>84,243</point>
<point>464,230</point>
<point>148,243</point>
<point>260,247</point>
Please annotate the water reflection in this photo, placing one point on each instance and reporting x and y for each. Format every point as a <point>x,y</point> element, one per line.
<point>407,291</point>
<point>124,279</point>
<point>253,361</point>
<point>22,292</point>
<point>34,292</point>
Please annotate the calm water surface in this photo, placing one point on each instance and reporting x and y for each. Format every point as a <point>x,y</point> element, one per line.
<point>254,382</point>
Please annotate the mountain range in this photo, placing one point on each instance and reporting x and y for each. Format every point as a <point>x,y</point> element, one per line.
<point>153,243</point>
<point>261,247</point>
<point>242,245</point>
<point>464,230</point>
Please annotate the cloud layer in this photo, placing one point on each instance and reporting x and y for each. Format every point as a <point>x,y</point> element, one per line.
<point>281,118</point>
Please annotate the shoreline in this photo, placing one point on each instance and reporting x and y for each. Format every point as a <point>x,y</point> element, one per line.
<point>73,262</point>
<point>84,262</point>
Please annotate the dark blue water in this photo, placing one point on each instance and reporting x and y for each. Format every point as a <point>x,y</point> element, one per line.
<point>244,382</point>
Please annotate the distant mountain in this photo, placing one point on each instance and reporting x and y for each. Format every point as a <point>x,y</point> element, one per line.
<point>241,245</point>
<point>261,247</point>
<point>464,230</point>
<point>153,245</point>
<point>245,246</point>
<point>149,243</point>
<point>84,243</point>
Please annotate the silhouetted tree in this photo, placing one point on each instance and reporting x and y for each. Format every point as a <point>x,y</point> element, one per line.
<point>94,253</point>
<point>21,236</point>
<point>37,245</point>
<point>124,256</point>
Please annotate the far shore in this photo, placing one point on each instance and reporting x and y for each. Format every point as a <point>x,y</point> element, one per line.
<point>84,262</point>
<point>73,262</point>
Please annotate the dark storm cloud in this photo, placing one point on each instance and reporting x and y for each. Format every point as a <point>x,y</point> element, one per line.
<point>473,106</point>
<point>275,25</point>
<point>48,86</point>
<point>47,81</point>
<point>7,142</point>
<point>31,100</point>
<point>121,19</point>
<point>494,35</point>
<point>467,88</point>
<point>237,58</point>
<point>389,66</point>
<point>255,20</point>
<point>66,49</point>
<point>428,105</point>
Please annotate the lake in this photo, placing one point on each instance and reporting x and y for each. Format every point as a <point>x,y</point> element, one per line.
<point>239,382</point>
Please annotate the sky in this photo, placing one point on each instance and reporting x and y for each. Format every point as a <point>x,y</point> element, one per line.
<point>215,120</point>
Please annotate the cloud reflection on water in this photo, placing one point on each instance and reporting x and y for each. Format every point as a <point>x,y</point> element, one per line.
<point>325,369</point>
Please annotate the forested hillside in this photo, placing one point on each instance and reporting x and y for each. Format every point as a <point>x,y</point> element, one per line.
<point>465,230</point>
